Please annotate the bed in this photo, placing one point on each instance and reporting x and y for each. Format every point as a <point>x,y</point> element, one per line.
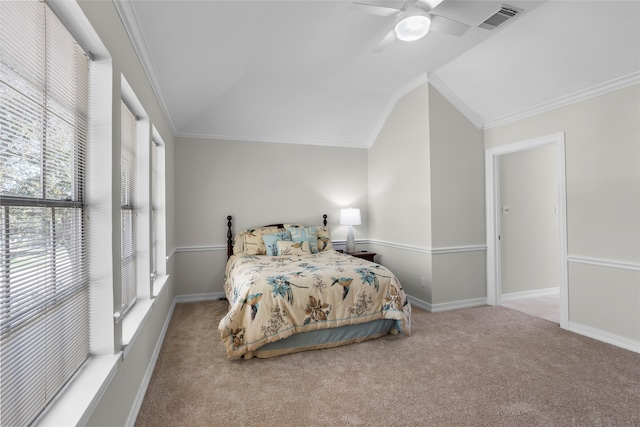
<point>290,291</point>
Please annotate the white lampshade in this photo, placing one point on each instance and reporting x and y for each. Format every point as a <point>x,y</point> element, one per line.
<point>412,27</point>
<point>350,217</point>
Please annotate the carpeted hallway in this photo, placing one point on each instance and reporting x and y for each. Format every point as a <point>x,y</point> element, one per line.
<point>484,366</point>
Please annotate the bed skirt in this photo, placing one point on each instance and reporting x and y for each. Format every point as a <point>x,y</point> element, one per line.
<point>326,338</point>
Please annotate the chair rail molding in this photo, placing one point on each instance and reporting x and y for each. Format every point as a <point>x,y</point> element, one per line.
<point>427,250</point>
<point>401,246</point>
<point>604,263</point>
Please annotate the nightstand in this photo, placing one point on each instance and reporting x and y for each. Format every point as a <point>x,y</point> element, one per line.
<point>363,254</point>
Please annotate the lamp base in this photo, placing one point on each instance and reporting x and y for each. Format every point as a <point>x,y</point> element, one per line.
<point>351,241</point>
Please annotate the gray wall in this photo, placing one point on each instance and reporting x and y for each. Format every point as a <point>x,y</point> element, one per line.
<point>257,183</point>
<point>529,232</point>
<point>457,205</point>
<point>400,193</point>
<point>602,137</point>
<point>426,198</point>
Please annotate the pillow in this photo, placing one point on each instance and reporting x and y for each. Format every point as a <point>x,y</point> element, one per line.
<point>253,243</point>
<point>271,239</point>
<point>292,248</point>
<point>324,238</point>
<point>238,243</point>
<point>288,226</point>
<point>305,234</point>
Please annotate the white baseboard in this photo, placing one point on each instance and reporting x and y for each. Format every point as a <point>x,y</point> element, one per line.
<point>530,294</point>
<point>609,338</point>
<point>454,305</point>
<point>419,303</point>
<point>133,415</point>
<point>446,306</point>
<point>200,297</point>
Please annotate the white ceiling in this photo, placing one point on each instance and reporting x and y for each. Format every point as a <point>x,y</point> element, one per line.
<point>304,71</point>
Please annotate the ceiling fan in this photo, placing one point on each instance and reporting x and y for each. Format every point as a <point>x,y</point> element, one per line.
<point>412,20</point>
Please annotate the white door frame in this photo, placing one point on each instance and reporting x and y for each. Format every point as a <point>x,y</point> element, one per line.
<point>493,216</point>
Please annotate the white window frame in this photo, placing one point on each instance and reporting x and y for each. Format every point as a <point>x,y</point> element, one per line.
<point>159,223</point>
<point>133,318</point>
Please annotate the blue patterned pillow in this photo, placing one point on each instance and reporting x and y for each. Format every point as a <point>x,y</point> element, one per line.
<point>305,234</point>
<point>271,239</point>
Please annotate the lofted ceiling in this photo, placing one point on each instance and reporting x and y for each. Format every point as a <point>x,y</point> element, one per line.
<point>305,71</point>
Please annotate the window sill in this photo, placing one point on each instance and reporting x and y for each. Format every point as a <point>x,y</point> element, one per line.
<point>76,402</point>
<point>135,318</point>
<point>158,284</point>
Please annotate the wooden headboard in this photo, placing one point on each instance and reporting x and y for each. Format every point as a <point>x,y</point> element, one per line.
<point>230,234</point>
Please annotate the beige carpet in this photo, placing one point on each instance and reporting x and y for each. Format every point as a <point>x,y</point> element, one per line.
<point>484,366</point>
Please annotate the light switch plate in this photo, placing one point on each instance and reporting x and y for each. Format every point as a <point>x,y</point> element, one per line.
<point>505,210</point>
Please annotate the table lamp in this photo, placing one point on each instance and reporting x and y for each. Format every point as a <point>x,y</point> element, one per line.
<point>350,217</point>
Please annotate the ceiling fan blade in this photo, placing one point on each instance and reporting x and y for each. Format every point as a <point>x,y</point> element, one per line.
<point>446,25</point>
<point>427,5</point>
<point>374,9</point>
<point>386,41</point>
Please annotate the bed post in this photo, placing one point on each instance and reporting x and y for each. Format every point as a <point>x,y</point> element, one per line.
<point>229,236</point>
<point>324,220</point>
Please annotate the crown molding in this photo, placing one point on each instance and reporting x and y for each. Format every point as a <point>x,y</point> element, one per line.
<point>456,101</point>
<point>132,26</point>
<point>297,141</point>
<point>583,95</point>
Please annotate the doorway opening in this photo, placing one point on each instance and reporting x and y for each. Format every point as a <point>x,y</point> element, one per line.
<point>496,211</point>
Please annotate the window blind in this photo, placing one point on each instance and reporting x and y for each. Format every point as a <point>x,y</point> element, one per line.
<point>128,212</point>
<point>44,293</point>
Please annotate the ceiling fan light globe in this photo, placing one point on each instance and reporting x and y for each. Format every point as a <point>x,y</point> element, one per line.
<point>412,28</point>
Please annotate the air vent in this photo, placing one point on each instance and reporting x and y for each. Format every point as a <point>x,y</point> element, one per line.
<point>500,17</point>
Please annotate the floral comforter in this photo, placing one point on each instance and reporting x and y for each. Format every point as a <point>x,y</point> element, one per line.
<point>272,298</point>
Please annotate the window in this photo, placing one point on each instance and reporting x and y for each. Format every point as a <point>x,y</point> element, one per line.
<point>128,208</point>
<point>135,172</point>
<point>44,287</point>
<point>158,221</point>
<point>154,208</point>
